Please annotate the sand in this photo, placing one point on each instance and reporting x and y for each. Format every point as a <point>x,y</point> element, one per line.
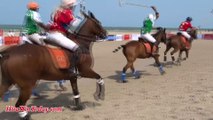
<point>184,93</point>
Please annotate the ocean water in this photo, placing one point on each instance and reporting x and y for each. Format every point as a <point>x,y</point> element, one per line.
<point>111,30</point>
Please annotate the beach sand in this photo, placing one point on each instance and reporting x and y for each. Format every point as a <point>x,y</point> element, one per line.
<point>184,93</point>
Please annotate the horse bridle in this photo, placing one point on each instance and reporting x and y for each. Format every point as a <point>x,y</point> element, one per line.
<point>92,38</point>
<point>86,37</point>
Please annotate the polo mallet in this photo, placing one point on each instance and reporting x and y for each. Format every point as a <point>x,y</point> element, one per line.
<point>123,2</point>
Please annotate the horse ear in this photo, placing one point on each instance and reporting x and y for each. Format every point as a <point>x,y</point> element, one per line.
<point>91,15</point>
<point>85,15</point>
<point>159,28</point>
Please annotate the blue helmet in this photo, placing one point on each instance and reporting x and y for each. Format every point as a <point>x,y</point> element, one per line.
<point>189,19</point>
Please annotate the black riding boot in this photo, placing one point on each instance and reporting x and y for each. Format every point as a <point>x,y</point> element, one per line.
<point>76,57</point>
<point>74,60</point>
<point>152,49</point>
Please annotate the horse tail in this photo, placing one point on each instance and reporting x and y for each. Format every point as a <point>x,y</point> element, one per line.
<point>1,56</point>
<point>117,49</point>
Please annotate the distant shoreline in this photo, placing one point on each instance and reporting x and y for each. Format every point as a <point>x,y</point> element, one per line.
<point>111,30</point>
<point>19,27</point>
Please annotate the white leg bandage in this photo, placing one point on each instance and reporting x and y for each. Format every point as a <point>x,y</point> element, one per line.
<point>100,81</point>
<point>22,114</point>
<point>76,96</point>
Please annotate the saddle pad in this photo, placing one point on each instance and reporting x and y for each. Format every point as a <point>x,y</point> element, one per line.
<point>59,57</point>
<point>148,48</point>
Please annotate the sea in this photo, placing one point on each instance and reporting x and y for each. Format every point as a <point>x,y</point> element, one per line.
<point>111,30</point>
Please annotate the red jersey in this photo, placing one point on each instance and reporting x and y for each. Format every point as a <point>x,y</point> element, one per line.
<point>61,20</point>
<point>185,25</point>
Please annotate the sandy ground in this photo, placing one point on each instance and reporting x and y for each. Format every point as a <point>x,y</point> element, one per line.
<point>184,93</point>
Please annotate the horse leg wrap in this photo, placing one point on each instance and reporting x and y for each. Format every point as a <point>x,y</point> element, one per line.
<point>123,77</point>
<point>77,100</point>
<point>100,81</point>
<point>76,96</point>
<point>6,96</point>
<point>102,88</point>
<point>161,69</point>
<point>23,114</point>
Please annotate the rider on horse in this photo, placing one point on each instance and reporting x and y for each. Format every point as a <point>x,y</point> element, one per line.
<point>32,24</point>
<point>184,26</point>
<point>147,28</point>
<point>62,20</point>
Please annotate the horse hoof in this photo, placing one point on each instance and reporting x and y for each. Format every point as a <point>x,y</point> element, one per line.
<point>77,108</point>
<point>124,81</point>
<point>137,77</point>
<point>102,97</point>
<point>162,73</point>
<point>63,88</point>
<point>184,58</point>
<point>96,96</point>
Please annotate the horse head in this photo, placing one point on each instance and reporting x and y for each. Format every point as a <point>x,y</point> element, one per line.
<point>91,30</point>
<point>160,36</point>
<point>193,33</point>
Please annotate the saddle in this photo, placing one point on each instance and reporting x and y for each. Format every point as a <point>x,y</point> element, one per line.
<point>184,41</point>
<point>150,48</point>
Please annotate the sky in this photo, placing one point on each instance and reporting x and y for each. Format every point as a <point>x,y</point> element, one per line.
<point>111,14</point>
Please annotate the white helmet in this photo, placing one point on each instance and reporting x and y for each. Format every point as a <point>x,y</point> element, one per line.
<point>151,17</point>
<point>65,3</point>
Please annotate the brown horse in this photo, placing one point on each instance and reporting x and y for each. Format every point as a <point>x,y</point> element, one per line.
<point>177,42</point>
<point>136,49</point>
<point>25,64</point>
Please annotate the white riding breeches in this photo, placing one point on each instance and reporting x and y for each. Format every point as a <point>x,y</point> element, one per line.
<point>185,34</point>
<point>62,40</point>
<point>39,39</point>
<point>148,37</point>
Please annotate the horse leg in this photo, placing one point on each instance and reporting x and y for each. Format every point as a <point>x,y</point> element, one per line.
<point>4,87</point>
<point>25,94</point>
<point>77,99</point>
<point>187,54</point>
<point>179,57</point>
<point>160,67</point>
<point>100,86</point>
<point>123,75</point>
<point>134,72</point>
<point>165,52</point>
<point>172,54</point>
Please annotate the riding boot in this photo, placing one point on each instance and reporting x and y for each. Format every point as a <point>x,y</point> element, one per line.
<point>75,59</point>
<point>188,43</point>
<point>154,52</point>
